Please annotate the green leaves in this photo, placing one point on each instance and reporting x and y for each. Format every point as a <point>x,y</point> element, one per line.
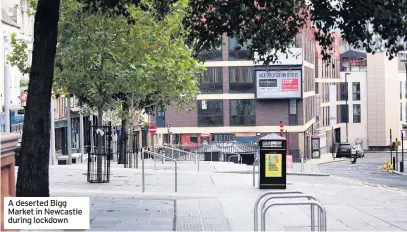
<point>19,56</point>
<point>104,61</point>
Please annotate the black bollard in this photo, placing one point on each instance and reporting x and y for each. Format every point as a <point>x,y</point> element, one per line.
<point>394,163</point>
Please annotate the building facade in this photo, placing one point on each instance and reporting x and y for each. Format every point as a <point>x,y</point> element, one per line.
<point>243,101</point>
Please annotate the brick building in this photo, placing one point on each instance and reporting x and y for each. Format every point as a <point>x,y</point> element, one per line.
<point>243,101</point>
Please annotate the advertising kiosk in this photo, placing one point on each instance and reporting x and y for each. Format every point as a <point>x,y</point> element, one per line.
<point>273,172</point>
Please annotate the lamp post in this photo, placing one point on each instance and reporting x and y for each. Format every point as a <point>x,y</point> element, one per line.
<point>347,107</point>
<point>402,142</point>
<point>169,133</point>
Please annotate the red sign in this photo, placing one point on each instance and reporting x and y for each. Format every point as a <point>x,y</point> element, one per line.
<point>290,84</point>
<point>289,161</point>
<point>354,62</point>
<point>23,97</point>
<point>152,129</point>
<point>281,128</point>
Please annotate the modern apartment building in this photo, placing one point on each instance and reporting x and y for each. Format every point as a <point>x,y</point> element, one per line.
<point>243,101</point>
<point>371,100</point>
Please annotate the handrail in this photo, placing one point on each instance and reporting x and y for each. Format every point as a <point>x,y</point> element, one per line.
<point>156,154</point>
<point>255,163</point>
<point>236,155</point>
<point>176,149</point>
<point>256,205</point>
<point>309,197</point>
<point>298,203</point>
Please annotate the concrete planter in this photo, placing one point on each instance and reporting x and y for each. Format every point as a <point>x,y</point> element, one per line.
<point>8,184</point>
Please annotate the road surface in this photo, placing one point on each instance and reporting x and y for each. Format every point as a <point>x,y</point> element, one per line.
<point>368,170</point>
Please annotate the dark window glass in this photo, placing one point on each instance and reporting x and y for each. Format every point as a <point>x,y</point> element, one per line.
<point>356,91</point>
<point>292,112</point>
<point>214,54</point>
<point>210,113</point>
<point>241,80</point>
<point>343,91</point>
<point>211,81</point>
<point>160,117</point>
<point>343,113</point>
<point>238,54</point>
<point>356,113</point>
<point>242,113</point>
<point>193,139</point>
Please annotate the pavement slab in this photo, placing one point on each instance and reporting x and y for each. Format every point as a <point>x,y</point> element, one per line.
<point>209,200</point>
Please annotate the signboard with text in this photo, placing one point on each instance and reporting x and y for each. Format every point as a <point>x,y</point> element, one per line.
<point>278,84</point>
<point>354,62</point>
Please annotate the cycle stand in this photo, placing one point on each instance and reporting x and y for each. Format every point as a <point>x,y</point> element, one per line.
<point>312,202</point>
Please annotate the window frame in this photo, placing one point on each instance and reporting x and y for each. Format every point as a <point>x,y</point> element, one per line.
<point>241,54</point>
<point>251,116</point>
<point>252,89</point>
<point>358,117</point>
<point>356,95</point>
<point>219,114</point>
<point>343,91</point>
<point>217,87</point>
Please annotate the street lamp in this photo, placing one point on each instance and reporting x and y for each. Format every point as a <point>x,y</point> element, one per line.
<point>169,133</point>
<point>347,107</point>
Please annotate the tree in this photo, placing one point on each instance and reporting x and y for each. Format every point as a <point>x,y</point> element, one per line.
<point>32,177</point>
<point>271,25</point>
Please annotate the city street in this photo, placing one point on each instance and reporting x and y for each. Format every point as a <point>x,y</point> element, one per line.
<point>367,170</point>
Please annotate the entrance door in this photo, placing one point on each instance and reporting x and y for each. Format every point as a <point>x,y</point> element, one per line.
<point>338,135</point>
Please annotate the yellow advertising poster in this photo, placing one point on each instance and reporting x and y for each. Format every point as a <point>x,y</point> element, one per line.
<point>273,165</point>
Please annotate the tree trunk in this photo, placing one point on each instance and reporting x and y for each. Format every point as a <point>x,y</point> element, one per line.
<point>33,172</point>
<point>100,149</point>
<point>124,137</point>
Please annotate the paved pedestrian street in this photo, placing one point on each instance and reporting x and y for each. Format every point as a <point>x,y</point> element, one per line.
<point>221,197</point>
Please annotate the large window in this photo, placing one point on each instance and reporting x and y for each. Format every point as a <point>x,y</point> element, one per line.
<point>292,116</point>
<point>160,117</point>
<point>214,54</point>
<point>241,80</point>
<point>343,91</point>
<point>242,113</point>
<point>343,113</point>
<point>356,113</point>
<point>212,80</point>
<point>356,91</point>
<point>210,113</point>
<point>238,54</point>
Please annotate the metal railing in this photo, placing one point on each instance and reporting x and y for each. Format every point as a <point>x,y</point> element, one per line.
<point>239,158</point>
<point>153,154</point>
<point>177,152</point>
<point>312,201</point>
<point>189,154</point>
<point>255,163</point>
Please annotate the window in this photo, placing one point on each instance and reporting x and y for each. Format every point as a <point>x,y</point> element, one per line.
<point>223,137</point>
<point>210,113</point>
<point>343,91</point>
<point>343,113</point>
<point>214,54</point>
<point>401,111</point>
<point>242,113</point>
<point>238,54</point>
<point>401,90</point>
<point>292,115</point>
<point>160,117</point>
<point>356,113</point>
<point>405,90</point>
<point>241,80</point>
<point>212,81</point>
<point>356,91</point>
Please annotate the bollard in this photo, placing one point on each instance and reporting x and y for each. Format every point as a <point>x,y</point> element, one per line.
<point>401,166</point>
<point>394,163</point>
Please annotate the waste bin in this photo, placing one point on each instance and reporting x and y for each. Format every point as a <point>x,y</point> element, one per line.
<point>273,173</point>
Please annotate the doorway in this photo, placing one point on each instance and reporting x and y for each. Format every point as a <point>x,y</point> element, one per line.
<point>337,135</point>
